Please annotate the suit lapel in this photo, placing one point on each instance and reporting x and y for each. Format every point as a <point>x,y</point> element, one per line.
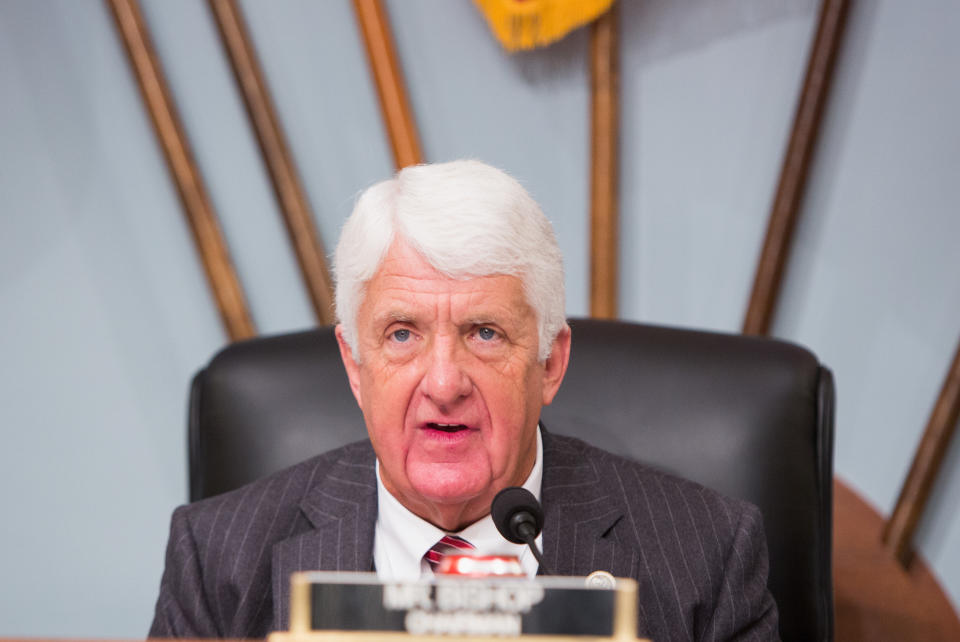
<point>341,513</point>
<point>581,517</point>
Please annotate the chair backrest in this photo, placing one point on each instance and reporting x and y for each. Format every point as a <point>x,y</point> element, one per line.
<point>751,418</point>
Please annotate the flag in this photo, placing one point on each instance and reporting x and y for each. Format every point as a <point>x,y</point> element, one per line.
<point>527,24</point>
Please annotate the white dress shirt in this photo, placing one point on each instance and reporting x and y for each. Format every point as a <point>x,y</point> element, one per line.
<point>401,539</point>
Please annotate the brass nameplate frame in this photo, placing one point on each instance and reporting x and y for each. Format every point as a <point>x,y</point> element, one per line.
<point>358,607</point>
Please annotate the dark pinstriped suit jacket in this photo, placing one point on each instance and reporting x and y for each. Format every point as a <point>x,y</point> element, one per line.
<point>700,558</point>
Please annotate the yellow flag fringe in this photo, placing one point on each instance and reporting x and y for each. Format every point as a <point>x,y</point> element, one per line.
<point>527,24</point>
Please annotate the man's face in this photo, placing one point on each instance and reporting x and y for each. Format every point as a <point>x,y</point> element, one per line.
<point>449,384</point>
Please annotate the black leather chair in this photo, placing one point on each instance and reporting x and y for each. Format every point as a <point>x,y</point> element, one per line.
<point>752,418</point>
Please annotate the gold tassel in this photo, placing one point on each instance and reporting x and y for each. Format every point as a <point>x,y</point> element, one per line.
<point>526,24</point>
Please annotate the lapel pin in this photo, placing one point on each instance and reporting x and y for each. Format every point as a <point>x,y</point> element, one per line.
<point>600,580</point>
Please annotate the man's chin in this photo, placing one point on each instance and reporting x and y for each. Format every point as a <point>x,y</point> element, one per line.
<point>449,484</point>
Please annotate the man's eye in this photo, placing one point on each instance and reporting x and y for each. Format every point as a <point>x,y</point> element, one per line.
<point>401,336</point>
<point>487,334</point>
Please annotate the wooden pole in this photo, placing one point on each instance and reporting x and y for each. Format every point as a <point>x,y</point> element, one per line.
<point>900,528</point>
<point>796,163</point>
<point>604,163</point>
<point>381,54</point>
<point>221,275</point>
<point>276,155</point>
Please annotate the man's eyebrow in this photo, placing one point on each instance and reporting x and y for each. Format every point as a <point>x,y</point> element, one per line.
<point>489,318</point>
<point>393,316</point>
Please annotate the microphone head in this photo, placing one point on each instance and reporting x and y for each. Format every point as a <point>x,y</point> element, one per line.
<point>517,514</point>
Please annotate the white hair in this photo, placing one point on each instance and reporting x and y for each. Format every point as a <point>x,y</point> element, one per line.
<point>466,219</point>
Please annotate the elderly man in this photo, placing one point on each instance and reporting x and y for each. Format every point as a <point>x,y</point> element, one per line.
<point>453,336</point>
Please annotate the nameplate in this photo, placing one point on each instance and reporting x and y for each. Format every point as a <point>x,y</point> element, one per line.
<point>360,606</point>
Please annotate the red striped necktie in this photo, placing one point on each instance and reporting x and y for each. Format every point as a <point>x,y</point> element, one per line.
<point>449,544</point>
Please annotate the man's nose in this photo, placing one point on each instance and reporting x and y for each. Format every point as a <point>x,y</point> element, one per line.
<point>446,380</point>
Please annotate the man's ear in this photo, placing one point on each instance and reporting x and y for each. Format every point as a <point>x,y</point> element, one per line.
<point>349,364</point>
<point>555,366</point>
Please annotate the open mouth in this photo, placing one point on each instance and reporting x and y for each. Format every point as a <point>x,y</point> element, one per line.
<point>447,427</point>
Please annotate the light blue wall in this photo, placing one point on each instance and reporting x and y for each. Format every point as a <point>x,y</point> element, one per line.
<point>105,313</point>
<point>104,317</point>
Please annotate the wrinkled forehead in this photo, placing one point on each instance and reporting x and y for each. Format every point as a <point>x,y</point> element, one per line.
<point>406,279</point>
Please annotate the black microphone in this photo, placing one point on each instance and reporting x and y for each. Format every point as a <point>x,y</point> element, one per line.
<point>519,518</point>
